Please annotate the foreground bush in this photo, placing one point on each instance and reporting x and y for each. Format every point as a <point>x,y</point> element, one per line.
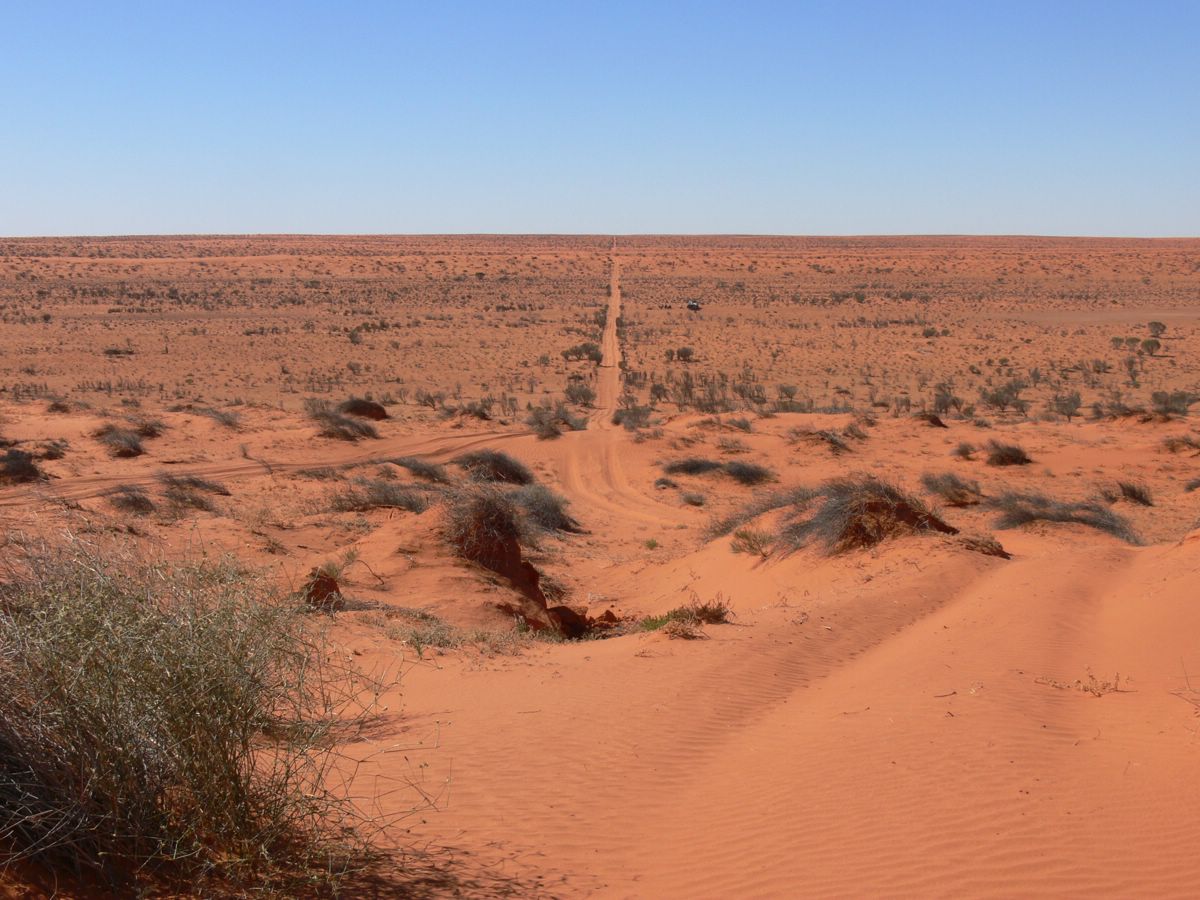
<point>167,722</point>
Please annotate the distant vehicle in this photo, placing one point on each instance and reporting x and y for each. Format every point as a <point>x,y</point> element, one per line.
<point>694,305</point>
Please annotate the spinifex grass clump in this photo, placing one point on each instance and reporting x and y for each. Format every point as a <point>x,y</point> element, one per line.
<point>337,425</point>
<point>492,465</point>
<point>169,722</point>
<point>1018,509</point>
<point>858,512</point>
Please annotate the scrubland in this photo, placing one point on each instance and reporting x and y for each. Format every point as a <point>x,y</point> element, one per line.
<point>875,573</point>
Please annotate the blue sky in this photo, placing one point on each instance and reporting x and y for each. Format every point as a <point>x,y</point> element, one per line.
<point>1048,117</point>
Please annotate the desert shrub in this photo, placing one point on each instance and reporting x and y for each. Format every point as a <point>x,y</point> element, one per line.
<point>633,417</point>
<point>363,409</point>
<point>854,430</point>
<point>691,498</point>
<point>663,483</point>
<point>752,541</point>
<point>1066,405</point>
<point>544,509</point>
<point>795,497</point>
<point>188,498</point>
<point>952,489</point>
<point>698,612</point>
<point>1018,509</point>
<point>55,449</point>
<point>170,722</point>
<point>1192,485</point>
<point>121,442</point>
<point>17,466</point>
<point>1006,455</point>
<point>931,419</point>
<point>225,417</point>
<point>748,473</point>
<point>859,512</point>
<point>741,424</point>
<point>964,450</point>
<point>548,422</point>
<point>492,465</point>
<point>430,471</point>
<point>336,425</point>
<point>1168,404</point>
<point>131,498</point>
<point>985,544</point>
<point>693,465</point>
<point>484,523</point>
<point>1180,443</point>
<point>835,442</point>
<point>147,427</point>
<point>363,494</point>
<point>580,394</point>
<point>1129,491</point>
<point>193,482</point>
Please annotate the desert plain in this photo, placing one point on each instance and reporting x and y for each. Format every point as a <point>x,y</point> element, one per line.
<point>875,572</point>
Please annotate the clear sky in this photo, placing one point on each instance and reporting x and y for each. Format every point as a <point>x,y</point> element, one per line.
<point>1048,117</point>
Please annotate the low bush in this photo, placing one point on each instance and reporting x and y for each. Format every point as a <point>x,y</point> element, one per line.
<point>363,409</point>
<point>858,512</point>
<point>691,498</point>
<point>136,754</point>
<point>17,467</point>
<point>336,425</point>
<point>1129,491</point>
<point>494,466</point>
<point>193,482</point>
<point>484,524</point>
<point>1018,509</point>
<point>748,473</point>
<point>548,422</point>
<point>364,494</point>
<point>544,509</point>
<point>430,471</point>
<point>131,498</point>
<point>121,442</point>
<point>749,540</point>
<point>952,489</point>
<point>1006,455</point>
<point>964,450</point>
<point>692,466</point>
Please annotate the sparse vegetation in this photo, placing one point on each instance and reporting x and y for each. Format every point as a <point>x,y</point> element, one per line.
<point>952,489</point>
<point>1017,509</point>
<point>133,754</point>
<point>18,467</point>
<point>121,442</point>
<point>544,509</point>
<point>1006,455</point>
<point>336,425</point>
<point>858,512</point>
<point>363,494</point>
<point>494,466</point>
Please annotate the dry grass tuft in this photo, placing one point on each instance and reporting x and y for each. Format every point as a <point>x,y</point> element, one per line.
<point>1017,509</point>
<point>172,723</point>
